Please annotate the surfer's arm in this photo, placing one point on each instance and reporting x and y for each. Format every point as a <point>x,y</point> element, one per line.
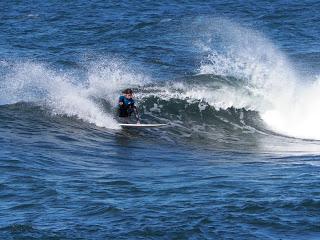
<point>121,100</point>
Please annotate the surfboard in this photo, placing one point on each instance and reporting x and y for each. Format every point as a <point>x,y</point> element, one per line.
<point>134,125</point>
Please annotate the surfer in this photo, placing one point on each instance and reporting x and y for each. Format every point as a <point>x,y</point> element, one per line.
<point>127,107</point>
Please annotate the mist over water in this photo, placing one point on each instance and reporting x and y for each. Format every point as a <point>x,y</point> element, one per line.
<point>237,84</point>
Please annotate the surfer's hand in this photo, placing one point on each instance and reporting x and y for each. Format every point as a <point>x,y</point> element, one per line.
<point>120,103</point>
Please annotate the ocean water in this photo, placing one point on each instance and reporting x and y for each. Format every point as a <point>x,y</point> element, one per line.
<point>237,83</point>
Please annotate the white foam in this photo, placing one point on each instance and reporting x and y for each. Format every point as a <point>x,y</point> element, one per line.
<point>300,118</point>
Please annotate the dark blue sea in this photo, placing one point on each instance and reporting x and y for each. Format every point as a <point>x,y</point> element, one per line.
<point>236,82</point>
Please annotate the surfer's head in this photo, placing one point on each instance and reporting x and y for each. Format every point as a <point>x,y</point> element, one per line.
<point>128,93</point>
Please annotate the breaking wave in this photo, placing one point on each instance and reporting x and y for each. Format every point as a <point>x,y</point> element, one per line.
<point>243,82</point>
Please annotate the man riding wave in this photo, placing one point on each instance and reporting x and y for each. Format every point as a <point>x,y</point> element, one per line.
<point>127,107</point>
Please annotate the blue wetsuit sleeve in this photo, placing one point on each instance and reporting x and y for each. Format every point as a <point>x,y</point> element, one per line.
<point>121,99</point>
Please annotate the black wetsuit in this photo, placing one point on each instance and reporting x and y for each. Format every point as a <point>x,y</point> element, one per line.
<point>127,107</point>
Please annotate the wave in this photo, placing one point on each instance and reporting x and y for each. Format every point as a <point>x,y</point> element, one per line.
<point>243,82</point>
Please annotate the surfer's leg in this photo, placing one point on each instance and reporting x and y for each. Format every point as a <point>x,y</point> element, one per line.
<point>136,113</point>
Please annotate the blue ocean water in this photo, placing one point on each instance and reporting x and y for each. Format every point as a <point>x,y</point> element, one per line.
<point>237,84</point>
